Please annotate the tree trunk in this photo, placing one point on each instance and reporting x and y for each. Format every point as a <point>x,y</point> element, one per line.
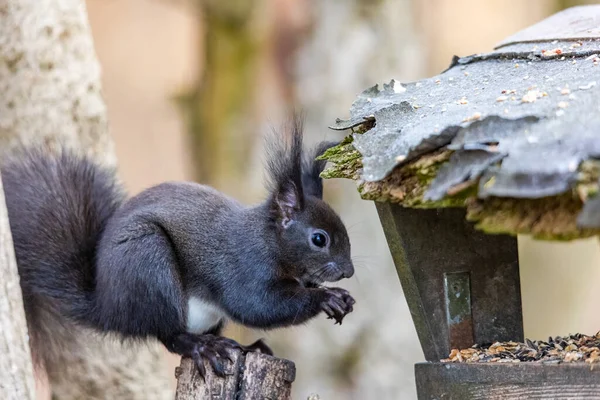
<point>220,108</point>
<point>51,94</point>
<point>50,77</point>
<point>16,370</point>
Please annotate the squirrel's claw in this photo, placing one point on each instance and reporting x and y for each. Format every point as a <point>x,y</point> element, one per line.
<point>218,348</point>
<point>338,304</point>
<point>259,345</point>
<point>213,353</point>
<point>224,353</point>
<point>199,362</point>
<point>211,348</point>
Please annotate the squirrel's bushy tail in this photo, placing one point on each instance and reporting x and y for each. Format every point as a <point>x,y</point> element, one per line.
<point>58,206</point>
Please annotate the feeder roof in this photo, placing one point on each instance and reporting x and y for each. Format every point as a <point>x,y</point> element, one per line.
<point>521,122</point>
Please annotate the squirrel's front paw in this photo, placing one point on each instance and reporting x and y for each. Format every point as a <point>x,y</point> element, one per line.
<point>338,303</point>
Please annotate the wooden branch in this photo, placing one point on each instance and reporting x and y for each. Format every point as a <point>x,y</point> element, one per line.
<point>254,376</point>
<point>16,370</point>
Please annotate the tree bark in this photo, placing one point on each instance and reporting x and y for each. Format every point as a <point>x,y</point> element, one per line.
<point>51,93</point>
<point>16,370</point>
<point>252,377</point>
<point>50,78</point>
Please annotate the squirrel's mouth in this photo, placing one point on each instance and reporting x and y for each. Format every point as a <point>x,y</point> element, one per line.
<point>317,280</point>
<point>312,285</point>
<point>310,282</point>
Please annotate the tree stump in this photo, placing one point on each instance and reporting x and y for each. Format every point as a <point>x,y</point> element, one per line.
<point>253,376</point>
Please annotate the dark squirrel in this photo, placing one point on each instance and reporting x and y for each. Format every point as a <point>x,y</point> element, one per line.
<point>178,260</point>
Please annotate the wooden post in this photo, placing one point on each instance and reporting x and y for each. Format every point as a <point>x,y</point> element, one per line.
<point>507,381</point>
<point>254,376</point>
<point>462,286</point>
<point>16,370</point>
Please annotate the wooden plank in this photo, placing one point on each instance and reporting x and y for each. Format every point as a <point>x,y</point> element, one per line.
<point>428,246</point>
<point>520,381</point>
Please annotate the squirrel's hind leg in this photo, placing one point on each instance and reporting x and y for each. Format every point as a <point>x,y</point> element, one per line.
<point>211,346</point>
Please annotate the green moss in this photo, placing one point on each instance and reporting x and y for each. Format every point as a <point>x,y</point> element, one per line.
<point>550,218</point>
<point>408,183</point>
<point>345,161</point>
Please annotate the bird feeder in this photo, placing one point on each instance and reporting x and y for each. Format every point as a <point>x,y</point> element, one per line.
<point>500,144</point>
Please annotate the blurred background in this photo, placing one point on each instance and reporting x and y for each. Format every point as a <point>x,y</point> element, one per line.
<point>192,85</point>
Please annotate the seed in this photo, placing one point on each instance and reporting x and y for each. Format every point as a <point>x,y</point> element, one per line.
<point>571,349</point>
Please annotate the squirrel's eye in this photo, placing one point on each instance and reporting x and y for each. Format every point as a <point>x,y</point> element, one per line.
<point>319,239</point>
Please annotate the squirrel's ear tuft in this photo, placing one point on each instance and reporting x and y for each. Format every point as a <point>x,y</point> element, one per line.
<point>312,183</point>
<point>286,203</point>
<point>284,165</point>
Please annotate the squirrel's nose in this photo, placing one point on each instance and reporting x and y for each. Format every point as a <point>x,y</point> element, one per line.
<point>349,271</point>
<point>344,270</point>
